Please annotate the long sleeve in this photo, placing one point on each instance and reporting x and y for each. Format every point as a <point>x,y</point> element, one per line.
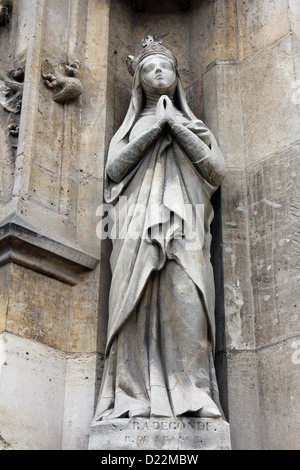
<point>207,157</point>
<point>127,157</point>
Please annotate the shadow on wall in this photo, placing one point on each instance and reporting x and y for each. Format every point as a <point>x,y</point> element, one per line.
<point>217,262</point>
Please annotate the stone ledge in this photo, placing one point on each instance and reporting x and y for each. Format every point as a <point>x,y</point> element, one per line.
<point>39,253</point>
<point>160,434</point>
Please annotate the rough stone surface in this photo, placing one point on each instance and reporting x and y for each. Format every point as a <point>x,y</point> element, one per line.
<point>222,97</point>
<point>280,403</point>
<point>266,90</point>
<point>261,24</point>
<point>46,396</point>
<point>160,434</point>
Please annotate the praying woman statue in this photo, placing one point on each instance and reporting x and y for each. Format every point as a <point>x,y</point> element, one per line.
<point>166,164</point>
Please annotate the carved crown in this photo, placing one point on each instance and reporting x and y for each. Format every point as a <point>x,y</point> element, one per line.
<point>151,45</point>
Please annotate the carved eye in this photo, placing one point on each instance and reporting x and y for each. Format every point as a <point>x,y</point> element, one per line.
<point>166,65</point>
<point>148,68</point>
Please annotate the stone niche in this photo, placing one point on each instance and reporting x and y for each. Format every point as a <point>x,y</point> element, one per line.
<point>186,28</point>
<point>182,26</point>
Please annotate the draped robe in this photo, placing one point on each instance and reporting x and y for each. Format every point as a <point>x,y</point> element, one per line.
<point>161,330</point>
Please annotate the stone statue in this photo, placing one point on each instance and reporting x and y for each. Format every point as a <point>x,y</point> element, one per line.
<point>166,164</point>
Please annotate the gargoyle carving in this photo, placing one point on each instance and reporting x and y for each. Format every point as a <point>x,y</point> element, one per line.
<point>5,11</point>
<point>69,87</point>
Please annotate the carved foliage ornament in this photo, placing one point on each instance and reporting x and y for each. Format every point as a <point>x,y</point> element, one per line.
<point>5,11</point>
<point>11,94</point>
<point>62,78</point>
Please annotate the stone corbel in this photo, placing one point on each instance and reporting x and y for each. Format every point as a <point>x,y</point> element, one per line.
<point>5,11</point>
<point>62,77</point>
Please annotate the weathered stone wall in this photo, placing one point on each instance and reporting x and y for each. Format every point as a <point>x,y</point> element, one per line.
<point>239,61</point>
<point>249,102</point>
<point>50,255</point>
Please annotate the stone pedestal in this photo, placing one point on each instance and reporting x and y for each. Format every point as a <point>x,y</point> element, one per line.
<point>160,434</point>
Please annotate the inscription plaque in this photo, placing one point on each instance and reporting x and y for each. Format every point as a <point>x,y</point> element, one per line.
<point>160,434</point>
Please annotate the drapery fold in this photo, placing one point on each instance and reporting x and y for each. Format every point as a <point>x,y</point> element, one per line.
<point>165,179</point>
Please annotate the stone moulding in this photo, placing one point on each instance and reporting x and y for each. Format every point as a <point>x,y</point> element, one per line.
<point>62,77</point>
<point>5,11</point>
<point>38,253</point>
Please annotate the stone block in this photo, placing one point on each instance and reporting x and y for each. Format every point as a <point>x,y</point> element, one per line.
<point>96,51</point>
<point>121,38</point>
<point>4,287</point>
<point>24,17</point>
<point>273,192</point>
<point>122,94</point>
<point>193,92</point>
<point>235,206</point>
<point>212,27</point>
<point>274,210</point>
<point>45,189</point>
<point>33,310</point>
<point>86,220</point>
<point>56,25</point>
<point>160,434</point>
<point>296,52</point>
<point>46,396</point>
<point>239,314</point>
<point>80,390</point>
<point>271,119</point>
<point>31,394</point>
<point>94,102</point>
<point>84,323</point>
<point>261,24</point>
<point>238,300</point>
<point>279,373</point>
<point>275,290</point>
<point>222,111</point>
<point>243,400</point>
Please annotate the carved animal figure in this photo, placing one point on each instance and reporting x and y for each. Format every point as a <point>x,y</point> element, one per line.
<point>69,87</point>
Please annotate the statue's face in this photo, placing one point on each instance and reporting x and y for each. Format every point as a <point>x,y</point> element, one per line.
<point>158,72</point>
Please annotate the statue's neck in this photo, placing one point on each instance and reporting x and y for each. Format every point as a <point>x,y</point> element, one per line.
<point>152,100</point>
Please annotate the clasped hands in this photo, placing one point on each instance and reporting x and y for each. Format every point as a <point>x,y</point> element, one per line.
<point>165,112</point>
